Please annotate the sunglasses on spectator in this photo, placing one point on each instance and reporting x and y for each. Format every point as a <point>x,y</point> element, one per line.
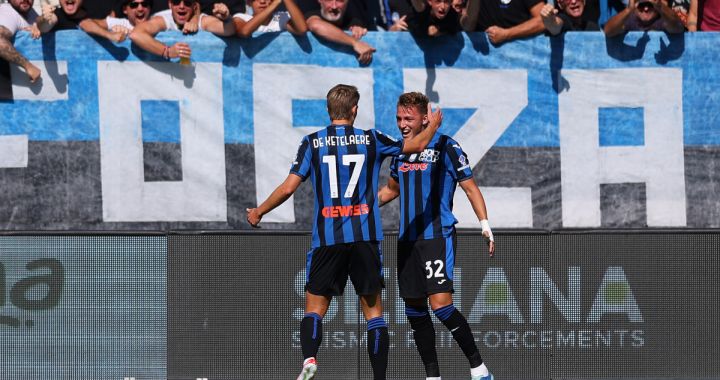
<point>188,3</point>
<point>134,4</point>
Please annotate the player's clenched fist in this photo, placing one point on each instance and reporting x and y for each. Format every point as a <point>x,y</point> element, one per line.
<point>253,216</point>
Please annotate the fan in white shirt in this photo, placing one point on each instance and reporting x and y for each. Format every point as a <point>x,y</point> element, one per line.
<point>181,13</point>
<point>136,12</point>
<point>266,18</point>
<point>18,15</point>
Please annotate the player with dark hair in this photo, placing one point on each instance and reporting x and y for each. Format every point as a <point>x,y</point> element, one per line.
<point>343,164</point>
<point>426,183</point>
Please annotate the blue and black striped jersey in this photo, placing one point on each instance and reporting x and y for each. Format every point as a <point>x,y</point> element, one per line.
<point>427,184</point>
<point>343,164</point>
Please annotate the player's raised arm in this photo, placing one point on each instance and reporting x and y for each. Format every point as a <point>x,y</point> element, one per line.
<point>276,198</point>
<point>420,141</point>
<point>478,204</point>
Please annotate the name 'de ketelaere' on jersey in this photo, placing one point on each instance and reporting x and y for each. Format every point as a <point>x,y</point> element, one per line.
<point>427,185</point>
<point>343,163</point>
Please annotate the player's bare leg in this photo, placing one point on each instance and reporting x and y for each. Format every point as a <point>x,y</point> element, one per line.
<point>443,308</point>
<point>311,332</point>
<point>377,334</point>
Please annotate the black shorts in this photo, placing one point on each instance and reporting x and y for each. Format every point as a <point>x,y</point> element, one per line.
<point>328,268</point>
<point>425,267</point>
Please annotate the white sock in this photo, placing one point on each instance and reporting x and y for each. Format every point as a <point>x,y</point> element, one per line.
<point>433,378</point>
<point>480,370</point>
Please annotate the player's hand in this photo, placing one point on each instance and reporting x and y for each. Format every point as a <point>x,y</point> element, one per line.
<point>253,217</point>
<point>488,235</point>
<point>490,243</point>
<point>434,118</point>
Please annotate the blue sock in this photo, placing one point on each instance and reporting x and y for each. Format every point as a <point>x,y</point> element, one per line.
<point>378,346</point>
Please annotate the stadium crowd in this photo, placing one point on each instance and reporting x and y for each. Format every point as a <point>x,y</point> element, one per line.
<point>341,21</point>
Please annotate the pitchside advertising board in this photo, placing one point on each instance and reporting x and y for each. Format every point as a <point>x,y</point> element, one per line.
<point>567,305</point>
<point>560,306</point>
<point>574,131</point>
<point>83,307</point>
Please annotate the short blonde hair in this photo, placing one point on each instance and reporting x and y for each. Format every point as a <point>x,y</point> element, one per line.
<point>340,101</point>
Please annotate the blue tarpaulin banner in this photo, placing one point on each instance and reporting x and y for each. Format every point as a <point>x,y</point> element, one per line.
<point>569,131</point>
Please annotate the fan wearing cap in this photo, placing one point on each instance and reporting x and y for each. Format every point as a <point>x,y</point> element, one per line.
<point>569,15</point>
<point>644,15</point>
<point>180,13</point>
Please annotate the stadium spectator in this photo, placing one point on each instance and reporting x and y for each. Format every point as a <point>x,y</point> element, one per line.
<point>266,17</point>
<point>71,14</point>
<point>426,245</point>
<point>333,18</point>
<point>347,229</point>
<point>18,15</point>
<point>206,6</point>
<point>503,20</point>
<point>135,12</point>
<point>435,18</point>
<point>681,8</point>
<point>644,15</point>
<point>395,15</point>
<point>704,15</point>
<point>569,15</point>
<point>68,15</point>
<point>459,6</point>
<point>174,19</point>
<point>98,9</point>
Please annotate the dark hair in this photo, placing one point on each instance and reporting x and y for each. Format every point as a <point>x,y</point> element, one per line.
<point>121,4</point>
<point>414,99</point>
<point>340,101</point>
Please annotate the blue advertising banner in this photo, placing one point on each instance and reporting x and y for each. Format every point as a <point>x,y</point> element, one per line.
<point>570,131</point>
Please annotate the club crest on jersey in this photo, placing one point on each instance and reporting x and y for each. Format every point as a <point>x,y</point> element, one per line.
<point>427,155</point>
